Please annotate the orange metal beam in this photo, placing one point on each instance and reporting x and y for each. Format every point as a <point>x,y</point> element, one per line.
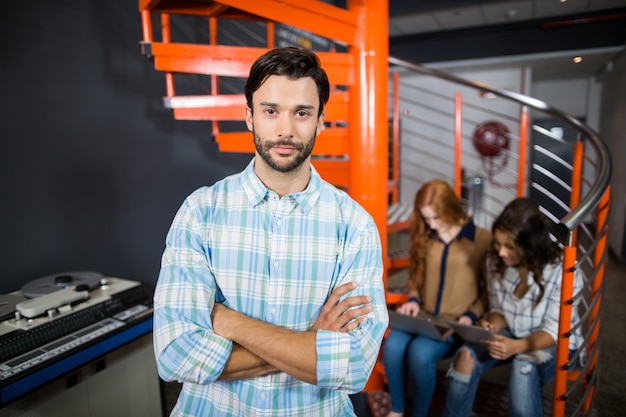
<point>599,260</point>
<point>331,142</point>
<point>523,144</point>
<point>565,325</point>
<point>335,172</point>
<point>146,26</point>
<point>337,108</point>
<point>217,113</point>
<point>170,88</point>
<point>313,16</point>
<point>235,61</point>
<point>205,8</point>
<point>339,67</point>
<point>232,107</point>
<point>148,4</point>
<point>369,138</point>
<point>207,101</point>
<point>577,173</point>
<point>395,148</point>
<point>397,263</point>
<point>369,142</point>
<point>215,125</point>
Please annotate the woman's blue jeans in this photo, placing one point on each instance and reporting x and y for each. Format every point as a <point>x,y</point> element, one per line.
<point>406,355</point>
<point>529,372</point>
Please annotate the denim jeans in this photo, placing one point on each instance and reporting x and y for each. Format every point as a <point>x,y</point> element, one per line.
<point>529,372</point>
<point>406,355</point>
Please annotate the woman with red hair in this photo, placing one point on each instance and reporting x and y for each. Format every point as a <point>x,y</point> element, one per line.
<point>447,254</point>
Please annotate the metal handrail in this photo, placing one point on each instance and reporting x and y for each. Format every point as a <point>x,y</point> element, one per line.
<point>575,217</point>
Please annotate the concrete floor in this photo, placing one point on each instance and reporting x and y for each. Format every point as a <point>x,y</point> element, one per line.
<point>611,396</point>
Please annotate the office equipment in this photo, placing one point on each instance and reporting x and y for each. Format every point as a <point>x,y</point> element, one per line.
<point>58,331</point>
<point>422,324</point>
<point>8,303</point>
<point>85,280</point>
<point>471,333</point>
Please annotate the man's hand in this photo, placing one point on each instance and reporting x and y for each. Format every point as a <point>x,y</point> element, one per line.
<point>335,316</point>
<point>267,348</point>
<point>345,315</point>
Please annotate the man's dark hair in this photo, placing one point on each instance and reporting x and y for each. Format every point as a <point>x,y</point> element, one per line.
<point>292,62</point>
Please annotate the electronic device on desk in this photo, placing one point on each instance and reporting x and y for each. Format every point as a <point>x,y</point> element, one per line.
<point>59,322</point>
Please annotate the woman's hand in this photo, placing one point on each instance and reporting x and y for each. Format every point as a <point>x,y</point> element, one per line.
<point>494,322</point>
<point>502,348</point>
<point>486,324</point>
<point>410,308</point>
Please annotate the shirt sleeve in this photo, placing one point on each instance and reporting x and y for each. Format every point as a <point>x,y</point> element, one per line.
<point>186,348</point>
<point>346,360</point>
<point>550,322</point>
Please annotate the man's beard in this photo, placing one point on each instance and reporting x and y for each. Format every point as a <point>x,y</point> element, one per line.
<point>304,151</point>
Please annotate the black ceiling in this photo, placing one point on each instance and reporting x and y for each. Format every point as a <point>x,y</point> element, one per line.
<point>594,30</point>
<point>402,7</point>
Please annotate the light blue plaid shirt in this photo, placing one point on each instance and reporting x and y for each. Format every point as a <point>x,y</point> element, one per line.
<point>275,260</point>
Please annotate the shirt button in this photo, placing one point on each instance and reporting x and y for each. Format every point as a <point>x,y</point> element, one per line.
<point>279,222</point>
<point>263,396</point>
<point>273,310</point>
<point>276,264</point>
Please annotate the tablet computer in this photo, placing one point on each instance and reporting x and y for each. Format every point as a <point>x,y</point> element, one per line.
<point>421,324</point>
<point>471,333</point>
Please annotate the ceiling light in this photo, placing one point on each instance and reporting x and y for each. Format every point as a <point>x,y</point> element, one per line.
<point>562,1</point>
<point>511,13</point>
<point>578,59</point>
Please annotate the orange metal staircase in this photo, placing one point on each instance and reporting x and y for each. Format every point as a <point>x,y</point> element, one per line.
<point>354,144</point>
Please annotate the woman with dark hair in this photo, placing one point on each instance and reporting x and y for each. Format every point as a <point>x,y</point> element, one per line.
<point>524,271</point>
<point>447,256</point>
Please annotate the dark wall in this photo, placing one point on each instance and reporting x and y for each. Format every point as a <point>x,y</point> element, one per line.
<point>92,166</point>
